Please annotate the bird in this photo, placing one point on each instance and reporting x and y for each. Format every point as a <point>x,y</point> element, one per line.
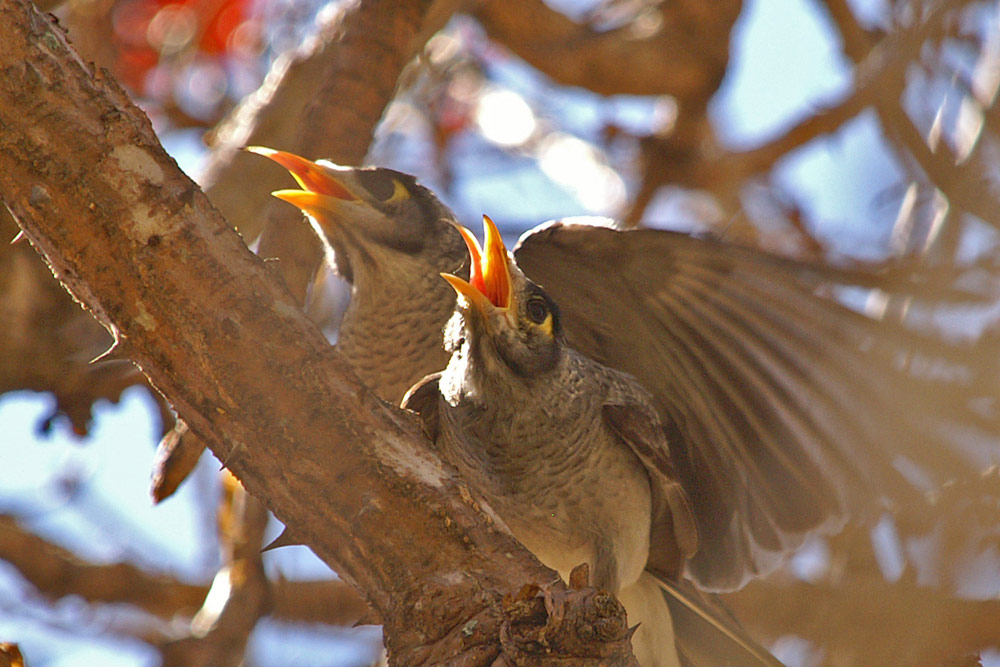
<point>784,409</point>
<point>538,427</point>
<point>389,237</point>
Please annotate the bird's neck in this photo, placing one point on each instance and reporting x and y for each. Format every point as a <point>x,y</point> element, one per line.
<point>473,376</point>
<point>391,337</point>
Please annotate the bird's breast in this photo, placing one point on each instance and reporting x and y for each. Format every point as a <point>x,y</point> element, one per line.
<point>563,484</point>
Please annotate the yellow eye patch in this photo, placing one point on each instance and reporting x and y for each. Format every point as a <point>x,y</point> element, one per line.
<point>539,315</point>
<point>399,192</point>
<point>546,325</point>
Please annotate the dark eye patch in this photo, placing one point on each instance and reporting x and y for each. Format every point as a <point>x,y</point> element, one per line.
<point>378,182</point>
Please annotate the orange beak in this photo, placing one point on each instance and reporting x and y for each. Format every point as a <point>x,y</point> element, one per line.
<point>489,279</point>
<point>317,182</point>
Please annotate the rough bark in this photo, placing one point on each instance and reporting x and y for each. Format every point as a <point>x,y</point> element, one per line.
<point>323,100</point>
<point>135,240</point>
<point>47,341</point>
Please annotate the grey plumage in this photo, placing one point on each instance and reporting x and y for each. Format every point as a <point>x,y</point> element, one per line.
<point>539,445</point>
<point>388,338</point>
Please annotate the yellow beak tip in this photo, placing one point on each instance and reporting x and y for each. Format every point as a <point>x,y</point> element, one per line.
<point>456,282</point>
<point>303,199</point>
<point>465,289</point>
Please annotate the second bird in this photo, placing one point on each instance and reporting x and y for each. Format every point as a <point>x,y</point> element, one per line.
<point>568,451</point>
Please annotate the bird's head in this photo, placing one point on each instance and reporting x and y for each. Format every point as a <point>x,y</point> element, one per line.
<point>505,316</point>
<point>370,217</point>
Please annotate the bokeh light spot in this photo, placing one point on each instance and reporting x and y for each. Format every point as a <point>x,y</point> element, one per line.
<point>172,28</point>
<point>505,118</point>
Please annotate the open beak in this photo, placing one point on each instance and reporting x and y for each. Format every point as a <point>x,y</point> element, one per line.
<point>489,281</point>
<point>321,189</point>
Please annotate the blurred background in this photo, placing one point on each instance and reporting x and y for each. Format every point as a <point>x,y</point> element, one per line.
<point>821,130</point>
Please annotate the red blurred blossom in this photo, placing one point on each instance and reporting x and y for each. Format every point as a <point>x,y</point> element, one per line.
<point>154,32</point>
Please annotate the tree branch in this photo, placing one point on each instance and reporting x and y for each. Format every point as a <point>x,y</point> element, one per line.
<point>241,592</point>
<point>963,184</point>
<point>684,53</point>
<point>46,340</point>
<point>56,572</point>
<point>867,620</point>
<point>138,243</point>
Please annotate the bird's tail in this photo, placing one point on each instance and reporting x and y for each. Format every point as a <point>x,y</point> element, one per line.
<point>707,634</point>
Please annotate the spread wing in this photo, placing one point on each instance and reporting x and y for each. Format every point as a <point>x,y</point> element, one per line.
<point>782,407</point>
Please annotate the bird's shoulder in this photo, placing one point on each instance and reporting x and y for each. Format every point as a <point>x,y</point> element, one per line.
<point>424,399</point>
<point>628,410</point>
<point>629,413</point>
<point>613,386</point>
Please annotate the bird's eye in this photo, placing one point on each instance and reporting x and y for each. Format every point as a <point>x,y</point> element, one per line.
<point>383,186</point>
<point>538,310</point>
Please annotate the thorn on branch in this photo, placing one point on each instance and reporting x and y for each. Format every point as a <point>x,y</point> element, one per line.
<point>286,539</point>
<point>115,353</point>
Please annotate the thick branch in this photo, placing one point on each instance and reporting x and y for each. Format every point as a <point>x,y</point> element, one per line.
<point>309,103</point>
<point>46,340</point>
<point>139,244</point>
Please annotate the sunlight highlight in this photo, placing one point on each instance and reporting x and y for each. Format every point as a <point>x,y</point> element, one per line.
<point>579,167</point>
<point>505,118</point>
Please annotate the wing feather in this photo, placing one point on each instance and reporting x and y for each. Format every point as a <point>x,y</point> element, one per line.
<point>782,407</point>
